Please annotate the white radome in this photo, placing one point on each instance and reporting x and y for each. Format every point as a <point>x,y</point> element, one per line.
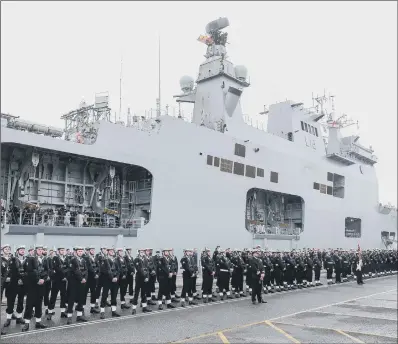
<point>186,83</point>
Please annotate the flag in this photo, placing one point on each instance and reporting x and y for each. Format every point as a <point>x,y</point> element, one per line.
<point>205,39</point>
<point>359,248</point>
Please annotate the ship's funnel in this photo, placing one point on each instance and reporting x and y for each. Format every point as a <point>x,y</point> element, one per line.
<point>216,25</point>
<point>231,100</point>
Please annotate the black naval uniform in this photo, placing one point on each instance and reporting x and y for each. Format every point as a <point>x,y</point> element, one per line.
<point>174,270</point>
<point>59,280</point>
<point>4,274</point>
<point>257,269</point>
<point>120,261</point>
<point>35,271</point>
<point>141,279</point>
<point>208,277</point>
<point>237,274</point>
<point>130,274</point>
<point>77,279</point>
<point>150,288</point>
<point>225,267</point>
<point>47,284</point>
<point>109,271</point>
<point>164,276</point>
<point>92,278</point>
<point>15,288</point>
<point>187,273</point>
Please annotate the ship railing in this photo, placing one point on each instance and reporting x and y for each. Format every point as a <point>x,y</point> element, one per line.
<point>274,230</point>
<point>55,220</point>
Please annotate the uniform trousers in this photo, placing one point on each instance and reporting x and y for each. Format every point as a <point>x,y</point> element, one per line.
<point>76,293</point>
<point>223,281</point>
<point>207,284</point>
<point>359,276</point>
<point>100,285</point>
<point>288,276</point>
<point>123,288</point>
<point>267,278</point>
<point>186,286</point>
<point>34,298</point>
<point>308,274</point>
<point>58,285</point>
<point>278,277</point>
<point>164,288</point>
<point>150,290</point>
<point>194,278</point>
<point>317,271</point>
<point>248,278</point>
<point>111,287</point>
<point>256,289</point>
<point>338,274</point>
<point>140,288</point>
<point>15,290</point>
<point>91,285</point>
<point>130,283</point>
<point>329,273</point>
<point>173,284</point>
<point>47,290</point>
<point>237,280</point>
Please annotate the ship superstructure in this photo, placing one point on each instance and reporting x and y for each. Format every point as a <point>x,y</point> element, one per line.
<point>163,181</point>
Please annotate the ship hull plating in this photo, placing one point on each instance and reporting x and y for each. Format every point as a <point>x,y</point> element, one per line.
<point>194,204</point>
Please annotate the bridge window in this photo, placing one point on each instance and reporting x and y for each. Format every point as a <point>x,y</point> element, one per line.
<point>329,190</point>
<point>226,165</point>
<point>330,177</point>
<point>250,171</point>
<point>274,177</point>
<point>302,125</point>
<point>239,168</point>
<point>209,160</point>
<point>240,150</point>
<point>352,227</point>
<point>216,162</point>
<point>260,172</point>
<point>316,186</point>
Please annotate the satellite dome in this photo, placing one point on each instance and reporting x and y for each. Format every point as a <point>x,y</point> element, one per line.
<point>241,72</point>
<point>186,83</point>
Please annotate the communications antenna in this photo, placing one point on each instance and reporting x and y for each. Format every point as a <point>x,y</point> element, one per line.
<point>158,102</point>
<point>120,87</point>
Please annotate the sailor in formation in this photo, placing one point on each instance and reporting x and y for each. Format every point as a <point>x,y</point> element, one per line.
<point>43,277</point>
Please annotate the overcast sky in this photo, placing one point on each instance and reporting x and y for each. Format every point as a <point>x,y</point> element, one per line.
<point>53,54</point>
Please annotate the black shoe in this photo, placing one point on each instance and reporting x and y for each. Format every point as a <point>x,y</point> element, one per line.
<point>254,302</point>
<point>170,306</point>
<point>7,323</point>
<point>39,325</point>
<point>49,316</point>
<point>151,303</point>
<point>125,306</point>
<point>20,321</point>
<point>96,306</point>
<point>205,300</point>
<point>94,311</point>
<point>237,295</point>
<point>175,300</point>
<point>192,303</point>
<point>25,328</point>
<point>197,297</point>
<point>263,301</point>
<point>222,298</point>
<point>160,307</point>
<point>230,297</point>
<point>115,314</point>
<point>146,310</point>
<point>133,312</point>
<point>81,318</point>
<point>3,332</point>
<point>63,315</point>
<point>69,321</point>
<point>178,296</point>
<point>102,315</point>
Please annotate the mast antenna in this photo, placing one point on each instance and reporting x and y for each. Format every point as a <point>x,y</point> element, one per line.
<point>159,94</point>
<point>120,87</point>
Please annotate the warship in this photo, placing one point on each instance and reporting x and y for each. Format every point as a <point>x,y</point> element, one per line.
<point>163,181</point>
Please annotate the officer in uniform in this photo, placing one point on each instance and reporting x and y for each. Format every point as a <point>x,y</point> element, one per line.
<point>150,288</point>
<point>15,287</point>
<point>164,275</point>
<point>188,271</point>
<point>36,274</point>
<point>208,272</point>
<point>141,279</point>
<point>120,261</point>
<point>92,279</point>
<point>237,274</point>
<point>60,268</point>
<point>317,268</point>
<point>5,258</point>
<point>100,256</point>
<point>130,272</point>
<point>110,273</point>
<point>258,273</point>
<point>47,283</point>
<point>225,270</point>
<point>174,270</point>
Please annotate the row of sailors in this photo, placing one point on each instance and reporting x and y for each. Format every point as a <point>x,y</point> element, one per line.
<point>42,277</point>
